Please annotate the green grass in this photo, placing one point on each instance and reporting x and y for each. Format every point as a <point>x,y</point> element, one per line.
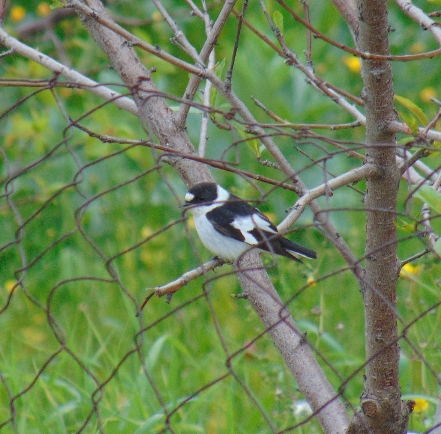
<point>94,225</point>
<point>90,349</point>
<point>71,345</point>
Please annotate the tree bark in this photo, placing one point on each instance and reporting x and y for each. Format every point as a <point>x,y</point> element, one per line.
<point>382,409</point>
<point>292,344</point>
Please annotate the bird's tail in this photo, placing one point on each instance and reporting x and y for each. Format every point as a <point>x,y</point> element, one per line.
<point>297,249</point>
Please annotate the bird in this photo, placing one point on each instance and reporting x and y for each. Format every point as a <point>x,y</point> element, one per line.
<point>228,226</point>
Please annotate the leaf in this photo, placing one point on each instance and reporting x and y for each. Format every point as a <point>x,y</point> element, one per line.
<point>254,144</point>
<point>214,93</point>
<point>278,20</point>
<point>435,2</point>
<point>405,226</point>
<point>219,68</point>
<point>155,350</point>
<point>413,108</point>
<point>430,196</point>
<point>410,121</point>
<point>406,141</point>
<point>151,423</point>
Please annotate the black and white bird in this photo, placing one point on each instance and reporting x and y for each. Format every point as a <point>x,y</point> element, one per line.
<point>229,226</point>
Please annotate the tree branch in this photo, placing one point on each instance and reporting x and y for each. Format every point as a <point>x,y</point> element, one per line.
<point>348,10</point>
<point>158,116</point>
<point>292,344</point>
<point>355,175</point>
<point>76,79</point>
<point>153,111</point>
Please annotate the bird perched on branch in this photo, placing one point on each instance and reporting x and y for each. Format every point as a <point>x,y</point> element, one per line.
<point>229,226</point>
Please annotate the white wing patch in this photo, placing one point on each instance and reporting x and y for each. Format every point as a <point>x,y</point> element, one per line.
<point>263,224</point>
<point>246,224</point>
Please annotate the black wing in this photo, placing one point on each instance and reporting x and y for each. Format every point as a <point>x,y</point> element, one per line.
<point>235,208</point>
<point>222,218</point>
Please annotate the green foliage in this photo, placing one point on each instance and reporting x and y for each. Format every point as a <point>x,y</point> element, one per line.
<point>429,195</point>
<point>414,109</point>
<point>92,225</point>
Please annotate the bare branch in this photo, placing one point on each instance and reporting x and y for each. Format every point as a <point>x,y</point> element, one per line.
<point>421,18</point>
<point>153,111</point>
<point>187,277</point>
<point>348,10</point>
<point>203,136</point>
<point>209,44</point>
<point>363,54</point>
<point>130,39</point>
<point>171,287</point>
<point>77,79</point>
<point>353,176</point>
<point>179,38</point>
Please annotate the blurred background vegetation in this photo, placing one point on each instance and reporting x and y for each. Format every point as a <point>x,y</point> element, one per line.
<point>82,236</point>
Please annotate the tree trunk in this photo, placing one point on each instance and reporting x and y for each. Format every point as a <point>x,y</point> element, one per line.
<point>382,409</point>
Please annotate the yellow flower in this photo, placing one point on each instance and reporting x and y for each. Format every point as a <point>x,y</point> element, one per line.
<point>33,336</point>
<point>10,285</point>
<point>311,281</point>
<point>409,270</point>
<point>43,9</point>
<point>417,47</point>
<point>65,92</point>
<point>420,405</point>
<point>353,63</point>
<point>146,231</point>
<point>17,13</point>
<point>157,16</point>
<point>427,93</point>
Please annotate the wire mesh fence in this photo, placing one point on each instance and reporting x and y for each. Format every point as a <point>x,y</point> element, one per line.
<point>92,225</point>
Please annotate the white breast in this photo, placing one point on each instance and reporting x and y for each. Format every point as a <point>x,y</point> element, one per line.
<point>223,247</point>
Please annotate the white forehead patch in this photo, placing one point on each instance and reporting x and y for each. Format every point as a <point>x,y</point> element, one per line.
<point>189,197</point>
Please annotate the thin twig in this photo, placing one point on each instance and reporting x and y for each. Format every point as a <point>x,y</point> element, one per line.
<point>414,257</point>
<point>308,51</point>
<point>209,45</point>
<point>229,75</point>
<point>179,38</point>
<point>176,285</point>
<point>203,136</point>
<point>366,55</point>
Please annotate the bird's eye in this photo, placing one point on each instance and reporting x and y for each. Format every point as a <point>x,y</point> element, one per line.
<point>197,199</point>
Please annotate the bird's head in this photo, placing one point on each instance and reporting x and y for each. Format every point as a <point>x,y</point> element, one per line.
<point>205,196</point>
